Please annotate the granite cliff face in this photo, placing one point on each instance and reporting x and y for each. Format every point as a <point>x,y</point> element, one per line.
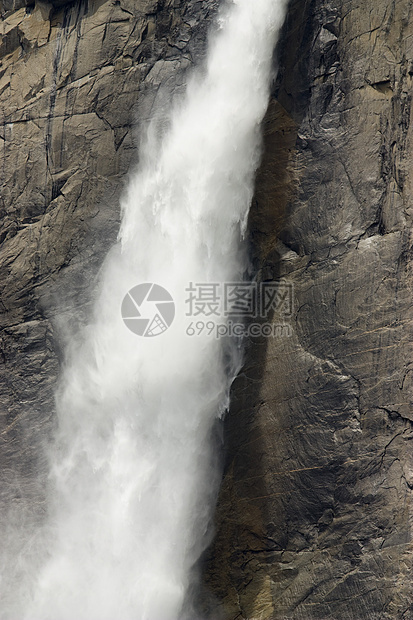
<point>72,80</point>
<point>314,518</point>
<point>314,514</point>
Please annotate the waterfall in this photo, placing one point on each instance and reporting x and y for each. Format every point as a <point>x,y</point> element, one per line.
<point>133,474</point>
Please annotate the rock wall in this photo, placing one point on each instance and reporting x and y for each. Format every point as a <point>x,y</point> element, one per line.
<point>314,515</point>
<point>315,512</point>
<point>74,78</point>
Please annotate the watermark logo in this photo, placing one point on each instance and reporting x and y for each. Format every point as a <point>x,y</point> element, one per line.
<point>148,310</point>
<point>239,329</point>
<point>241,299</point>
<point>246,309</point>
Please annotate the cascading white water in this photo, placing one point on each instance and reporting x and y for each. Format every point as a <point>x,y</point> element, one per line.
<point>132,469</point>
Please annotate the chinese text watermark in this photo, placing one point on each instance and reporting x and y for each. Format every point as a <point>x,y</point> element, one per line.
<point>218,309</point>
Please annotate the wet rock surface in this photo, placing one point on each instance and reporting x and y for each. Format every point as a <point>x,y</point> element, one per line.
<point>314,515</point>
<point>76,79</point>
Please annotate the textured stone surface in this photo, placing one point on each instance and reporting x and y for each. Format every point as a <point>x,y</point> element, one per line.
<point>314,517</point>
<point>71,85</point>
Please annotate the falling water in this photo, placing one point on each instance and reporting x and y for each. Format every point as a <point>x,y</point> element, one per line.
<point>133,477</point>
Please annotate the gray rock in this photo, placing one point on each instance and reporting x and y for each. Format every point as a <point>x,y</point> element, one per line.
<point>72,80</point>
<point>313,519</point>
<point>314,516</point>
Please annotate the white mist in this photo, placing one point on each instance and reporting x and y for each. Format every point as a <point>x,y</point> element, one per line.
<point>133,476</point>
